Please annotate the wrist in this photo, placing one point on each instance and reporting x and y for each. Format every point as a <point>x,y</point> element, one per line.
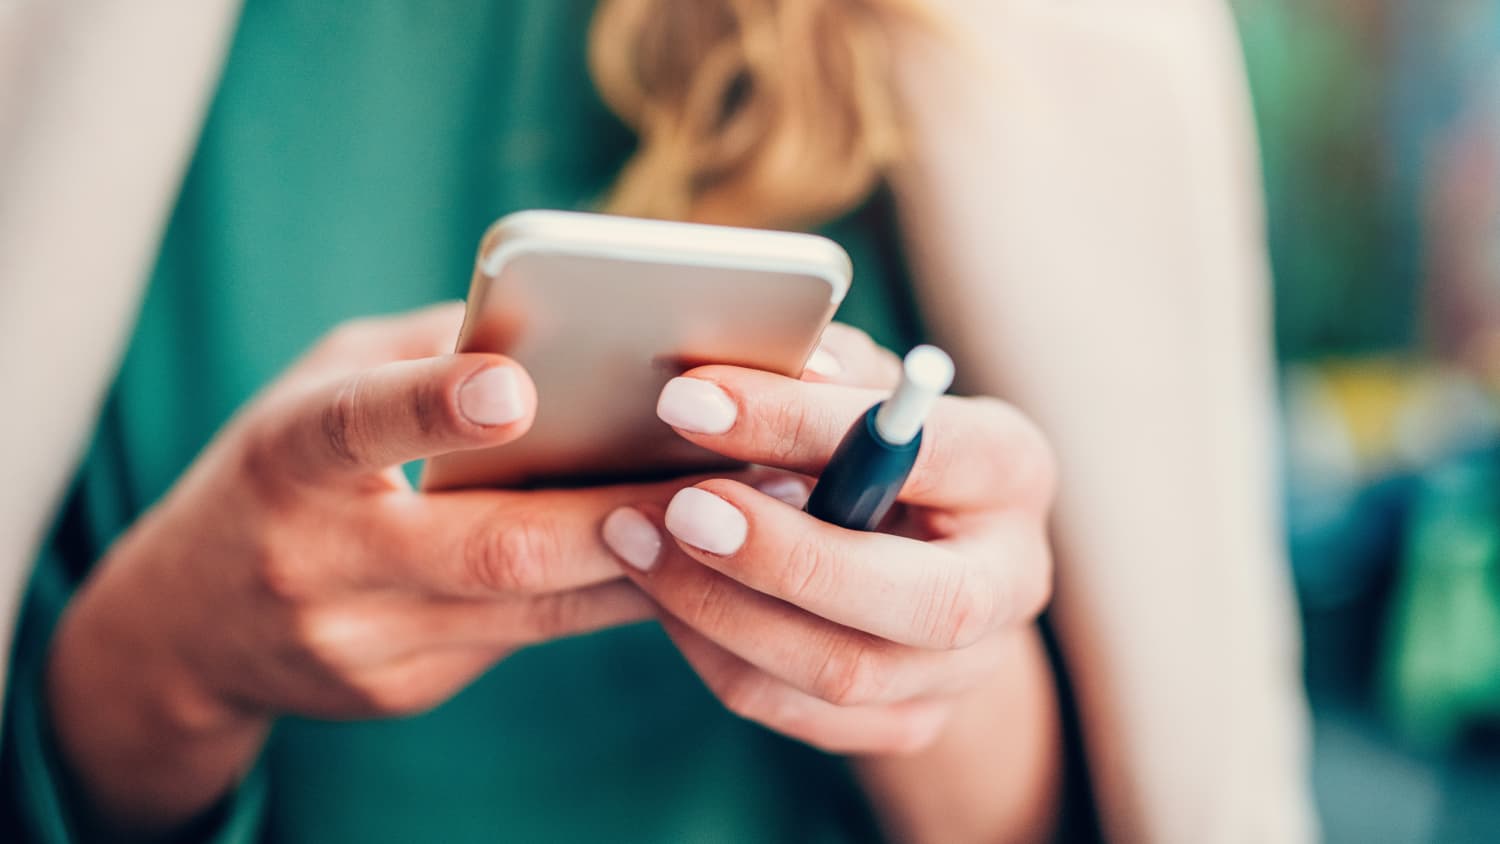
<point>165,748</point>
<point>994,774</point>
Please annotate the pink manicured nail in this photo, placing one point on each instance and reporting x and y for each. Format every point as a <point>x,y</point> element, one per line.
<point>632,537</point>
<point>786,490</point>
<point>697,406</point>
<point>704,520</point>
<point>492,397</point>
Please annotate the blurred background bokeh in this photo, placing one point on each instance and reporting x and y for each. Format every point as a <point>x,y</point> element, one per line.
<point>1380,130</point>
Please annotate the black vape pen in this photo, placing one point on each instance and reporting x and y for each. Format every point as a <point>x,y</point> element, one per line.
<point>861,481</point>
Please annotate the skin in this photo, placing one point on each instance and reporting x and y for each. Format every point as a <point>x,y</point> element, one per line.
<point>293,570</point>
<point>913,652</point>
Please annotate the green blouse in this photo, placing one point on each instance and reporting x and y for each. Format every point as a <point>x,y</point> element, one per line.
<point>352,157</point>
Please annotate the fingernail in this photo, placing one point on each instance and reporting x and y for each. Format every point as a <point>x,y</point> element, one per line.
<point>824,363</point>
<point>786,490</point>
<point>704,520</point>
<point>493,397</point>
<point>696,406</point>
<point>632,537</point>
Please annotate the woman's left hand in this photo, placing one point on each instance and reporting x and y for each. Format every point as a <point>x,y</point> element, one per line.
<point>856,643</point>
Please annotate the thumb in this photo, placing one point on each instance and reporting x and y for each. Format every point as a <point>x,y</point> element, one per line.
<point>398,412</point>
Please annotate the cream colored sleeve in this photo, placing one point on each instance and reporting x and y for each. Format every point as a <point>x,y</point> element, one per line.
<point>1084,214</point>
<point>100,107</point>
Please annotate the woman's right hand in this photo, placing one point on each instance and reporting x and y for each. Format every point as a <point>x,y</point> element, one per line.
<point>292,569</point>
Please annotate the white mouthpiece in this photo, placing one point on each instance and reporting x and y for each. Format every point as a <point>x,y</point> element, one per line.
<point>925,376</point>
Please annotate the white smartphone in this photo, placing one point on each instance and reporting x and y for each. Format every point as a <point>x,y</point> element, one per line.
<point>603,311</point>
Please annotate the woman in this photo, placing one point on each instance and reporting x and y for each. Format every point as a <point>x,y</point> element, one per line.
<point>348,161</point>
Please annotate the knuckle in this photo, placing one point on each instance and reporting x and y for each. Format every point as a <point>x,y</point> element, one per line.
<point>971,615</point>
<point>712,605</point>
<point>938,458</point>
<point>809,565</point>
<point>284,577</point>
<point>744,693</point>
<point>852,674</point>
<point>1018,448</point>
<point>1035,590</point>
<point>780,439</point>
<point>552,617</point>
<point>338,424</point>
<point>325,636</point>
<point>997,442</point>
<point>260,464</point>
<point>513,557</point>
<point>961,614</point>
<point>433,408</point>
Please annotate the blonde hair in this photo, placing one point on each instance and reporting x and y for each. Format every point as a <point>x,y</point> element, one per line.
<point>774,113</point>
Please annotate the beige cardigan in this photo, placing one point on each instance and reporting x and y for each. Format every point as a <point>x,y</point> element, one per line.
<point>1083,214</point>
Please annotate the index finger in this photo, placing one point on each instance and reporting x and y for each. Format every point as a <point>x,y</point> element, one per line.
<point>490,543</point>
<point>974,453</point>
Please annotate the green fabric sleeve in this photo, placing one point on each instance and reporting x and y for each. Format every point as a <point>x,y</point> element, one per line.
<point>41,803</point>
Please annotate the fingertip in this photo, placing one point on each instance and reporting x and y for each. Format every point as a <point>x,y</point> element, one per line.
<point>747,501</point>
<point>705,519</point>
<point>751,493</point>
<point>493,393</point>
<point>788,489</point>
<point>632,537</point>
<point>492,398</point>
<point>696,406</point>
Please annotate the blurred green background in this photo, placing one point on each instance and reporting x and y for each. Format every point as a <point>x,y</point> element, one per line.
<point>1380,132</point>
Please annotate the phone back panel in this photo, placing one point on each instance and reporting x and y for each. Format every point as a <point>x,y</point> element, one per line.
<point>601,330</point>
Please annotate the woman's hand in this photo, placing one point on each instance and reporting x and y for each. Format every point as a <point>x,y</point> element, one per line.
<point>857,643</point>
<point>293,570</point>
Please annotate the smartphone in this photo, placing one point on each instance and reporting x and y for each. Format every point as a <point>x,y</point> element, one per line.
<point>603,311</point>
